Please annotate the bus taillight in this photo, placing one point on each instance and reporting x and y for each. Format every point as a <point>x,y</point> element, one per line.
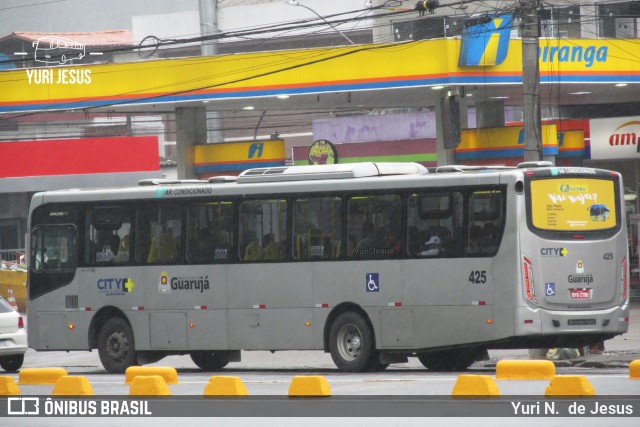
<point>529,283</point>
<point>623,280</point>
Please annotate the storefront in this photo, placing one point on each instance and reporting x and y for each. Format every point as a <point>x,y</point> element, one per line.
<point>615,145</point>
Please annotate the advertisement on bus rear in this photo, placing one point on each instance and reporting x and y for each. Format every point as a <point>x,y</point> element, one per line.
<point>572,204</point>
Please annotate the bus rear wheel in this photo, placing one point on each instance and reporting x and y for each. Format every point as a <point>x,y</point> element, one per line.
<point>116,346</point>
<point>209,360</point>
<point>449,360</point>
<point>351,343</point>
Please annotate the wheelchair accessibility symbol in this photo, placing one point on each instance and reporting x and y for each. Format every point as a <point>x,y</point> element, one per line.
<point>373,282</point>
<point>550,289</point>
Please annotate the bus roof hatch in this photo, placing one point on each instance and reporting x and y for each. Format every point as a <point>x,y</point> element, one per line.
<point>339,171</point>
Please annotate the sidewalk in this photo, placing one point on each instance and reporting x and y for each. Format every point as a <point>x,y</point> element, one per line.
<point>619,351</point>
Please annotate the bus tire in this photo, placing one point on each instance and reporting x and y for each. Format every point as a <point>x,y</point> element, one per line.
<point>351,343</point>
<point>116,345</point>
<point>448,360</point>
<point>209,360</point>
<point>12,363</point>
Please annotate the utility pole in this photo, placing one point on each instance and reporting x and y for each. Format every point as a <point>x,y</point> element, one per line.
<point>531,80</point>
<point>209,27</point>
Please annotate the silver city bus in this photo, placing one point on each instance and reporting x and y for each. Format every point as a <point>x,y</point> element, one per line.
<point>372,262</point>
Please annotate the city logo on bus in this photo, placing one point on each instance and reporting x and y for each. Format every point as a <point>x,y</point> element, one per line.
<point>163,285</point>
<point>115,286</point>
<point>198,284</point>
<point>629,138</point>
<point>554,252</point>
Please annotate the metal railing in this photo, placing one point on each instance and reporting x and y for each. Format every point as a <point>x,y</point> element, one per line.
<point>12,255</point>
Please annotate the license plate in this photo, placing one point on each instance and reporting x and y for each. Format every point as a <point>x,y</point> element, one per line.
<point>580,293</point>
<point>4,343</point>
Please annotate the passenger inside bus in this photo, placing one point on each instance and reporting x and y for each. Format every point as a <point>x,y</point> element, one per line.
<point>252,250</point>
<point>393,243</point>
<point>200,246</point>
<point>432,247</point>
<point>122,257</point>
<point>367,241</point>
<point>106,246</point>
<point>271,249</point>
<point>488,241</point>
<point>475,236</point>
<point>163,248</point>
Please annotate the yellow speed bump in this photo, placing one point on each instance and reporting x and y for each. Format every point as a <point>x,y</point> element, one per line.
<point>310,386</point>
<point>8,387</point>
<point>152,385</point>
<point>570,385</point>
<point>634,369</point>
<point>225,386</point>
<point>169,375</point>
<point>41,375</point>
<point>475,386</point>
<point>73,386</point>
<point>525,370</point>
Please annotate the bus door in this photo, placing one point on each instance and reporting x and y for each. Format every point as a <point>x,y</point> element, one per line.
<point>52,265</point>
<point>574,255</point>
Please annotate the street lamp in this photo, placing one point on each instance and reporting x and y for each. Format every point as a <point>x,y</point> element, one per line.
<point>297,3</point>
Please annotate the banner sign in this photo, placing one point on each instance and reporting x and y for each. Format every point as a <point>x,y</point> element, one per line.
<point>616,138</point>
<point>495,143</point>
<point>486,43</point>
<point>216,159</point>
<point>571,204</point>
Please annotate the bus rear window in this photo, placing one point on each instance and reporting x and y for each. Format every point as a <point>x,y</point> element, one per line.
<point>573,204</point>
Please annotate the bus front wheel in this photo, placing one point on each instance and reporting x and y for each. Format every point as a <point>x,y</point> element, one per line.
<point>351,343</point>
<point>209,360</point>
<point>116,346</point>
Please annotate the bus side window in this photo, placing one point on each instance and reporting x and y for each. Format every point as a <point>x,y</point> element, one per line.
<point>262,230</point>
<point>158,234</point>
<point>106,227</point>
<point>210,235</point>
<point>435,223</point>
<point>374,223</point>
<point>485,222</point>
<point>317,228</point>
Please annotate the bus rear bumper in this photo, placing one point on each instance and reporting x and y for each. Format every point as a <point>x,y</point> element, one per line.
<point>533,321</point>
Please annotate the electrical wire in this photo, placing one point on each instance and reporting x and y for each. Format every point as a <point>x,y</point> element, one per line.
<point>284,60</point>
